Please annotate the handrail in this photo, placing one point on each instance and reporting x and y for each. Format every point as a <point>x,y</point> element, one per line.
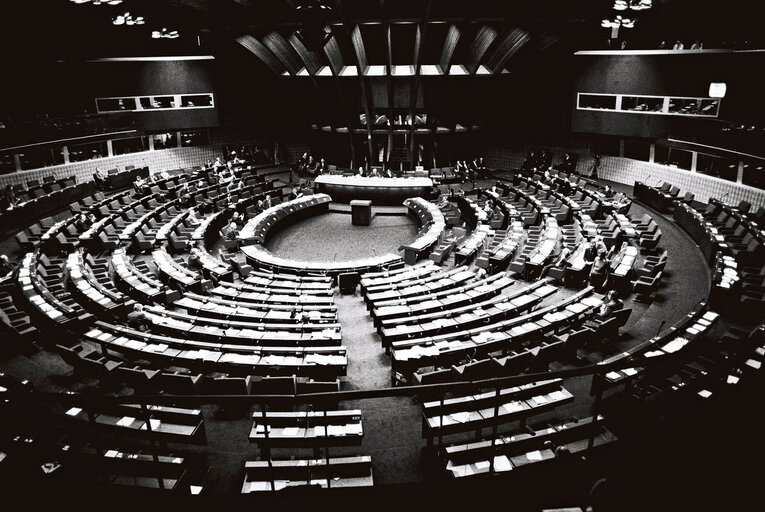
<point>69,398</point>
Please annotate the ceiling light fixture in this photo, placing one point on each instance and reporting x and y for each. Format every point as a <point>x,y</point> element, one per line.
<point>635,5</point>
<point>618,22</point>
<point>128,19</point>
<point>164,34</point>
<point>97,2</point>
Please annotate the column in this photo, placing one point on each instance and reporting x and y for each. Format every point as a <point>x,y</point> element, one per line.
<point>694,160</point>
<point>109,149</point>
<point>740,173</point>
<point>652,153</point>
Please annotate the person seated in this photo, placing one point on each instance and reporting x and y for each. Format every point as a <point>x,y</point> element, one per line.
<point>82,223</point>
<point>140,186</point>
<point>6,267</point>
<point>235,159</point>
<point>184,196</point>
<point>238,218</point>
<point>321,167</point>
<point>267,202</point>
<point>360,172</point>
<point>375,173</point>
<point>194,261</point>
<point>310,165</point>
<point>100,178</point>
<point>218,163</point>
<point>192,218</point>
<point>611,303</point>
<point>229,232</point>
<point>560,261</point>
<point>489,209</point>
<point>388,173</point>
<point>231,187</point>
<point>600,245</point>
<point>137,318</point>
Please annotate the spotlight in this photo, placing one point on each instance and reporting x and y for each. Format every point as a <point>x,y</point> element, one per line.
<point>313,14</point>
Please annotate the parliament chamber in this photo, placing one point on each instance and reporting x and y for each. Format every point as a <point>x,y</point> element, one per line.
<point>410,254</point>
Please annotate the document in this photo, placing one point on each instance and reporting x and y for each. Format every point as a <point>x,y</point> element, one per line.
<point>460,417</point>
<point>705,393</point>
<point>125,421</point>
<point>502,464</point>
<point>535,455</point>
<point>558,395</point>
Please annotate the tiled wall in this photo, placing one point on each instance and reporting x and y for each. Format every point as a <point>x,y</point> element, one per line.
<point>173,158</point>
<point>627,171</point>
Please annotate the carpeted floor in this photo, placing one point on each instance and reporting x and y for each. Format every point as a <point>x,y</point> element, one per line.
<point>331,237</point>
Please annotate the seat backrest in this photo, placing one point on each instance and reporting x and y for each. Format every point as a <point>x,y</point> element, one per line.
<point>744,206</point>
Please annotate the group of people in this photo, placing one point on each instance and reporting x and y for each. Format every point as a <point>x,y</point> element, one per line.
<point>595,254</point>
<point>469,171</point>
<point>542,161</point>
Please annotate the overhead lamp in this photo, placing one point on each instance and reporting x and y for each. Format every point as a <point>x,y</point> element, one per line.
<point>128,19</point>
<point>640,5</point>
<point>618,22</point>
<point>164,34</point>
<point>97,2</point>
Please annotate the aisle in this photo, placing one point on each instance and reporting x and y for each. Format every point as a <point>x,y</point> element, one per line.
<point>368,365</point>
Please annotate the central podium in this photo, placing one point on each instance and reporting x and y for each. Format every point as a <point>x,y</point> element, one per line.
<point>361,212</point>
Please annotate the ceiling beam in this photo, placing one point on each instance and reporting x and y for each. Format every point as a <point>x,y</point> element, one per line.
<point>389,76</point>
<point>450,44</point>
<point>358,48</point>
<point>415,89</point>
<point>510,44</point>
<point>283,51</point>
<point>311,61</point>
<point>262,52</point>
<point>478,47</point>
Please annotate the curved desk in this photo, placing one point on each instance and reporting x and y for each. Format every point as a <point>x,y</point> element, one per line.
<point>383,191</point>
<point>430,217</point>
<point>257,230</point>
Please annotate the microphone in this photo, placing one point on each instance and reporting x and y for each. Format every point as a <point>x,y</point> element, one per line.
<point>661,326</point>
<point>335,256</point>
<point>373,250</point>
<point>724,195</point>
<point>647,178</point>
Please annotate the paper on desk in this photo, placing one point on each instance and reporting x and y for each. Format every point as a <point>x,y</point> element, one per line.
<point>705,393</point>
<point>535,455</point>
<point>732,379</point>
<point>558,395</point>
<point>74,411</point>
<point>753,363</point>
<point>502,463</point>
<point>125,421</point>
<point>460,417</point>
